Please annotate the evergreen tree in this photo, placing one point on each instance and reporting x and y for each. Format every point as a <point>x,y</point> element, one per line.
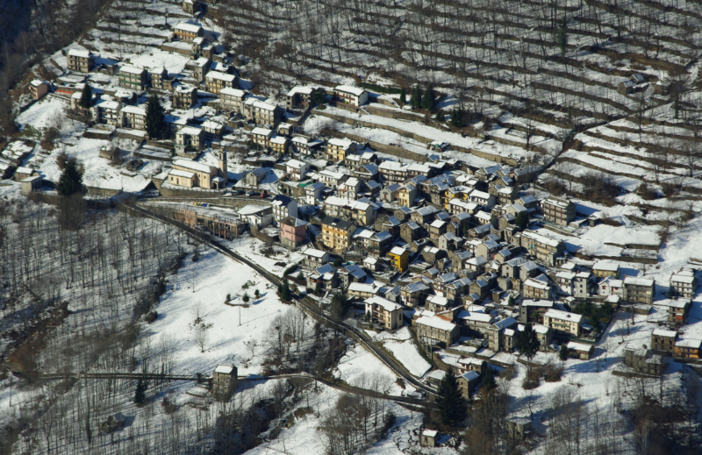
<point>416,100</point>
<point>246,297</point>
<point>450,400</point>
<point>521,220</point>
<point>527,343</point>
<point>440,117</point>
<point>428,99</point>
<point>285,294</point>
<point>318,96</point>
<point>71,180</point>
<point>488,383</point>
<point>563,352</point>
<point>339,305</point>
<point>257,293</point>
<point>140,393</point>
<point>457,115</point>
<point>403,96</point>
<point>86,97</point>
<point>154,117</point>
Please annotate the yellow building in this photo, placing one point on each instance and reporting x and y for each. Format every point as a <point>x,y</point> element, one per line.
<point>399,258</point>
<point>336,234</point>
<point>337,149</point>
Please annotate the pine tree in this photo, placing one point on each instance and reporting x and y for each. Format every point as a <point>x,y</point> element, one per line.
<point>450,400</point>
<point>246,297</point>
<point>457,115</point>
<point>86,97</point>
<point>403,96</point>
<point>527,343</point>
<point>140,393</point>
<point>416,100</point>
<point>563,352</point>
<point>428,99</point>
<point>285,294</point>
<point>521,220</point>
<point>71,180</point>
<point>154,117</point>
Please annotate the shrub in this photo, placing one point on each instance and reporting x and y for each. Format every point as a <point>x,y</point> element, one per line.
<point>532,378</point>
<point>646,192</point>
<point>600,188</point>
<point>553,373</point>
<point>151,316</point>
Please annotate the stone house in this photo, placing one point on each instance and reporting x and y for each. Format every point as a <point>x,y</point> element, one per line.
<point>80,60</point>
<point>224,381</point>
<point>133,78</point>
<point>187,32</point>
<point>184,97</point>
<point>435,329</point>
<point>215,81</point>
<point>385,312</point>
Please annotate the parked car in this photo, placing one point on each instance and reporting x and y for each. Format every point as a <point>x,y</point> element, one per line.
<point>252,193</point>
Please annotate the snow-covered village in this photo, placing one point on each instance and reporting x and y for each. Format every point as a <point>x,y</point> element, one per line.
<point>327,227</point>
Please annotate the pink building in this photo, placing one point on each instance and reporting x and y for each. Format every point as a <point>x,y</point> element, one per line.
<point>293,232</point>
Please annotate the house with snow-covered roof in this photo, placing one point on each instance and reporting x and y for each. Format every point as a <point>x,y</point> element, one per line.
<point>385,312</point>
<point>133,77</point>
<point>351,95</point>
<point>436,329</point>
<point>187,32</point>
<point>216,81</point>
<point>80,60</point>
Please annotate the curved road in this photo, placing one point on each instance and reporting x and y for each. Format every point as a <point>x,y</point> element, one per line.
<point>305,303</point>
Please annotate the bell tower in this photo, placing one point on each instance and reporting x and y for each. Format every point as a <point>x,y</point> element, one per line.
<point>222,157</point>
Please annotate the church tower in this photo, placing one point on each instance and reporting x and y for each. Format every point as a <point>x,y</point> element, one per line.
<point>222,157</point>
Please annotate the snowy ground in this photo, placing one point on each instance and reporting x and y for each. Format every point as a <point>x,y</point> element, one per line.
<point>403,349</point>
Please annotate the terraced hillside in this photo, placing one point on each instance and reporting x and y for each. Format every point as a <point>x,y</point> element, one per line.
<point>559,71</point>
<point>558,63</point>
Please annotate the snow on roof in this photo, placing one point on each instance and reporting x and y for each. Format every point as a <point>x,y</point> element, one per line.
<point>179,173</point>
<point>261,131</point>
<point>190,164</point>
<point>295,164</point>
<point>37,83</point>
<point>232,92</point>
<point>665,333</point>
<point>541,238</point>
<point>79,53</point>
<point>303,90</point>
<point>134,110</point>
<point>470,375</point>
<point>383,302</point>
<point>225,369</point>
<point>252,209</point>
<point>393,166</point>
<point>396,250</point>
<point>190,28</point>
<point>190,131</point>
<point>579,346</point>
<point>436,322</point>
<point>540,328</point>
<point>688,343</point>
<point>606,266</point>
<point>682,278</point>
<point>430,433</point>
<point>263,105</point>
<point>220,76</point>
<point>315,253</point>
<point>279,140</point>
<point>477,317</point>
<point>340,142</point>
<point>635,281</point>
<point>564,315</point>
<point>131,69</point>
<point>185,88</point>
<point>348,89</point>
